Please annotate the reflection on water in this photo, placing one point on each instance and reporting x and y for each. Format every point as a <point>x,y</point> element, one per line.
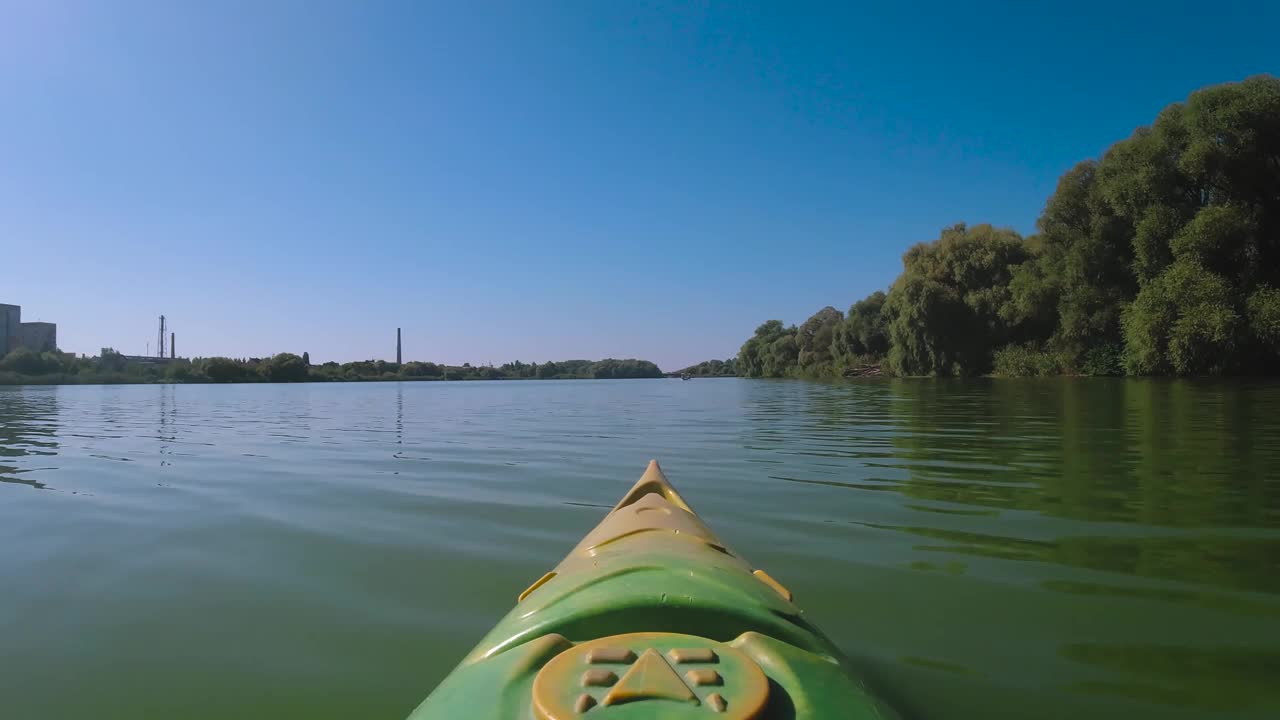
<point>1241,563</point>
<point>1145,504</point>
<point>1198,598</point>
<point>1008,549</point>
<point>28,429</point>
<point>1218,679</point>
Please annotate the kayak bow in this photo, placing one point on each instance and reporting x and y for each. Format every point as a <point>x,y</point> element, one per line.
<point>652,616</point>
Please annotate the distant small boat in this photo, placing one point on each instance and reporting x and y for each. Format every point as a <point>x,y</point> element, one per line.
<point>686,376</point>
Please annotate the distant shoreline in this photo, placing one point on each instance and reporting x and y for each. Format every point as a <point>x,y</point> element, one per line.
<point>44,380</point>
<point>25,367</point>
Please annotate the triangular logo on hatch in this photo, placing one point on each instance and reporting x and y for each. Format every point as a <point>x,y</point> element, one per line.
<point>650,678</point>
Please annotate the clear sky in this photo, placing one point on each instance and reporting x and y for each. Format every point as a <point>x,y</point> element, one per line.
<point>543,180</point>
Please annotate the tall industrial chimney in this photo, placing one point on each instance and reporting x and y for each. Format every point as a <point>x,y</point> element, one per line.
<point>173,343</point>
<point>399,357</point>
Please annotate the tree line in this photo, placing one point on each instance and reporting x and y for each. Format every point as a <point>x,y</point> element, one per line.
<point>25,366</point>
<point>1162,257</point>
<point>709,368</point>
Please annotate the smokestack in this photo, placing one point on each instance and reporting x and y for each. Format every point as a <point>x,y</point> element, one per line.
<point>173,343</point>
<point>399,357</point>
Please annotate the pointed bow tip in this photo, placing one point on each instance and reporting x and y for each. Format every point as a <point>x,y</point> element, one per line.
<point>653,481</point>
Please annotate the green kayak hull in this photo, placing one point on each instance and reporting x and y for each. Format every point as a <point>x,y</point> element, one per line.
<point>652,616</point>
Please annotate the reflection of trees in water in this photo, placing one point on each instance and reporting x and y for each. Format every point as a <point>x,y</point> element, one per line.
<point>1177,454</point>
<point>1190,457</point>
<point>1238,563</point>
<point>1149,453</point>
<point>1190,597</point>
<point>1155,499</point>
<point>839,420</point>
<point>1202,451</point>
<point>1209,678</point>
<point>1043,446</point>
<point>28,427</point>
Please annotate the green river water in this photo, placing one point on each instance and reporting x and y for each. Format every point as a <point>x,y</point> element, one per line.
<point>1061,548</point>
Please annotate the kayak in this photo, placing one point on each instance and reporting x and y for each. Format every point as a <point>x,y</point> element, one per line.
<point>652,616</point>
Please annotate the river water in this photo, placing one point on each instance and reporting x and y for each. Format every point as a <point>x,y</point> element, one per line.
<point>1059,548</point>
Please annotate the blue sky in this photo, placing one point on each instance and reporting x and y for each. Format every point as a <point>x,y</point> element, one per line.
<point>542,180</point>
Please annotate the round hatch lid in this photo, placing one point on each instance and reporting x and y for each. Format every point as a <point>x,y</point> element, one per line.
<point>680,676</point>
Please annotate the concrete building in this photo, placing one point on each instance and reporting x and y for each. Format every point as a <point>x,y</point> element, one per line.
<point>39,336</point>
<point>10,328</point>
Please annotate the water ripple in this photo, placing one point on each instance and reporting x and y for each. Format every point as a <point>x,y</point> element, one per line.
<point>1065,548</point>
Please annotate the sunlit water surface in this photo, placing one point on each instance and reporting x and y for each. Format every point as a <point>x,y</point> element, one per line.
<point>1063,548</point>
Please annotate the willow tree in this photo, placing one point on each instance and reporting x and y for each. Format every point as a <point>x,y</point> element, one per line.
<point>771,352</point>
<point>864,334</point>
<point>946,312</point>
<point>814,342</point>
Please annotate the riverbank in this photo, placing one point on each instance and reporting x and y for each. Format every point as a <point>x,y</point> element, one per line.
<point>23,367</point>
<point>708,368</point>
<point>121,379</point>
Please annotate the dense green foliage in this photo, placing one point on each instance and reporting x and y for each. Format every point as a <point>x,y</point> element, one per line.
<point>1162,257</point>
<point>608,368</point>
<point>709,368</point>
<point>285,367</point>
<point>1028,361</point>
<point>771,352</point>
<point>23,366</point>
<point>28,362</point>
<point>864,332</point>
<point>223,370</point>
<point>944,312</point>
